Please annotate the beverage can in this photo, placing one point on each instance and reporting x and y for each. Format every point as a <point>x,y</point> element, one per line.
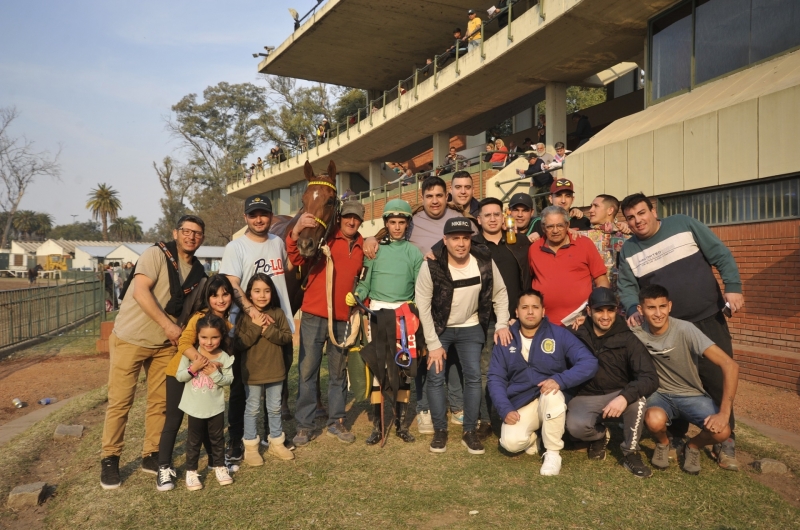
<point>47,401</point>
<point>17,402</point>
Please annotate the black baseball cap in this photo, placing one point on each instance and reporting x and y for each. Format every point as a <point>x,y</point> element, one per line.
<point>257,202</point>
<point>457,225</point>
<point>602,297</point>
<point>471,12</point>
<point>521,199</point>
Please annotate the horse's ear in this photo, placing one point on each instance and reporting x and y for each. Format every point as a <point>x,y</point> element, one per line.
<point>332,170</point>
<point>308,170</point>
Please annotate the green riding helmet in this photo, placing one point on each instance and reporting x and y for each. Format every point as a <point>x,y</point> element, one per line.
<point>397,207</point>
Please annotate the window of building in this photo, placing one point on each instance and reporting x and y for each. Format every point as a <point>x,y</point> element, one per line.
<point>296,192</point>
<point>701,40</point>
<point>763,201</point>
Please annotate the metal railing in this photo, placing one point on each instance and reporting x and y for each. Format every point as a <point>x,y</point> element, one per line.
<point>31,313</point>
<point>392,95</point>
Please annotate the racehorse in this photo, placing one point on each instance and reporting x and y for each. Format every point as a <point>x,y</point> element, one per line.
<point>322,201</point>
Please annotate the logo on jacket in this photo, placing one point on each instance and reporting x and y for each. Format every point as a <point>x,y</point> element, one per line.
<point>548,346</point>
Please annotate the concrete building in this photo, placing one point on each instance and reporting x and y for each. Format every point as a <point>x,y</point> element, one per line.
<point>702,114</point>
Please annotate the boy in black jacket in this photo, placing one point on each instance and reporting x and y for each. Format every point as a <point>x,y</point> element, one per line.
<point>626,376</point>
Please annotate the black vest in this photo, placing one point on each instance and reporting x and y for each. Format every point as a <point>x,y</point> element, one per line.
<point>443,287</point>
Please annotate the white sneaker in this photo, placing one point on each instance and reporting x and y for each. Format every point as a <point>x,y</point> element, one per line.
<point>193,481</point>
<point>551,465</point>
<point>222,476</point>
<point>424,423</point>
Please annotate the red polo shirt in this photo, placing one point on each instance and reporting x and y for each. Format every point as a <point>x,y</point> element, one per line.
<point>347,263</point>
<point>564,278</point>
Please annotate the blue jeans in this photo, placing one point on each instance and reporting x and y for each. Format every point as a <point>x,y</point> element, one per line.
<point>313,335</point>
<point>694,409</point>
<point>468,342</point>
<point>455,390</point>
<point>272,392</point>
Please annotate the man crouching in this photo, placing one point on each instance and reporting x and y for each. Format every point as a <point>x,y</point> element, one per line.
<point>528,377</point>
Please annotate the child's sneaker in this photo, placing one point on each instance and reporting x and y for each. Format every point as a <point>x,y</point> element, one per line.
<point>457,417</point>
<point>165,478</point>
<point>193,481</point>
<point>222,476</point>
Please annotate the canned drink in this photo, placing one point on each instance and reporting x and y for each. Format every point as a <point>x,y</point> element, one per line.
<point>47,401</point>
<point>17,403</point>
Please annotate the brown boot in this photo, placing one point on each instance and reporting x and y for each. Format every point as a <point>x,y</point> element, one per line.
<point>251,456</point>
<point>277,449</point>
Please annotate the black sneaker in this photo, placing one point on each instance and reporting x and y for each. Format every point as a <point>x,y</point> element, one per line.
<point>439,442</point>
<point>633,463</point>
<point>484,430</point>
<point>234,452</point>
<point>165,478</point>
<point>150,463</point>
<point>109,473</point>
<point>473,444</point>
<point>597,449</point>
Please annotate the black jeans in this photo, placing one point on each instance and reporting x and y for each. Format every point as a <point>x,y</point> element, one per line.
<point>172,423</point>
<point>199,428</point>
<point>715,328</point>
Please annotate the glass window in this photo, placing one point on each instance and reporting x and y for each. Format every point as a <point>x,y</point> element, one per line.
<point>672,52</point>
<point>775,27</point>
<point>722,37</point>
<point>764,201</point>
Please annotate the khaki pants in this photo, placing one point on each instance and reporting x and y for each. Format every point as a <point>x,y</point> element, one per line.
<point>545,412</point>
<point>127,361</point>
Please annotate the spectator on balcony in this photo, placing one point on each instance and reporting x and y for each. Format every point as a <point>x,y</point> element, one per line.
<point>583,129</point>
<point>274,155</point>
<point>502,18</point>
<point>526,145</point>
<point>259,165</point>
<point>541,133</point>
<point>322,131</point>
<point>489,152</point>
<point>546,157</point>
<point>302,143</point>
<point>500,156</point>
<point>408,177</point>
<point>453,161</point>
<point>540,181</point>
<point>513,150</point>
<point>462,48</point>
<point>473,36</point>
<point>247,172</point>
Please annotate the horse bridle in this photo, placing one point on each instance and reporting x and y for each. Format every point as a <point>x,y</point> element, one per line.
<point>336,210</point>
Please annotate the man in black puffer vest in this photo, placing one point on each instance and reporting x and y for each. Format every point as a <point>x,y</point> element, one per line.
<point>467,286</point>
<point>625,378</point>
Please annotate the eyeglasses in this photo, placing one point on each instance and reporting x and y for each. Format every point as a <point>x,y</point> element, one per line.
<point>555,228</point>
<point>189,232</point>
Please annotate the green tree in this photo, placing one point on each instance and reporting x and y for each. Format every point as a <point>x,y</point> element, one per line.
<point>348,102</point>
<point>176,181</point>
<point>86,231</point>
<point>126,229</point>
<point>44,223</point>
<point>294,111</point>
<point>25,223</point>
<point>104,204</point>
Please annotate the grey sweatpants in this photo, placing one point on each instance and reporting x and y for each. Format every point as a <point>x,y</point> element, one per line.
<point>585,420</point>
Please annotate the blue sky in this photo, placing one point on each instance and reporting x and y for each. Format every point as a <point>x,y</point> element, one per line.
<point>99,77</point>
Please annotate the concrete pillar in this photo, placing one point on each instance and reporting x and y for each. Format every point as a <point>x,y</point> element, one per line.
<point>441,145</point>
<point>477,140</point>
<point>374,175</point>
<point>284,200</point>
<point>342,182</point>
<point>522,121</point>
<point>556,114</point>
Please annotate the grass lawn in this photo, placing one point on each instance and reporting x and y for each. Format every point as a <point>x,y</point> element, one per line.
<point>333,485</point>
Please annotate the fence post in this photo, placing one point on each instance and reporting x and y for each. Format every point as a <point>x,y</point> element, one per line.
<point>384,104</point>
<point>435,68</point>
<point>458,70</point>
<point>58,309</point>
<point>416,74</point>
<point>510,36</point>
<point>399,84</point>
<point>483,55</point>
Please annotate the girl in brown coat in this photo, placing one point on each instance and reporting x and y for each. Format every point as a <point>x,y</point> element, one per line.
<point>259,340</point>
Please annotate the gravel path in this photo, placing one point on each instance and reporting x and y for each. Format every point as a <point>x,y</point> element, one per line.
<point>766,404</point>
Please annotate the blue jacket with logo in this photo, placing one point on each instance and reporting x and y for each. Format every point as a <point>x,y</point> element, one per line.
<point>555,354</point>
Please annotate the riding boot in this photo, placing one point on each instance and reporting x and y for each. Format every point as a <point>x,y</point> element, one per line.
<point>375,437</point>
<point>400,423</point>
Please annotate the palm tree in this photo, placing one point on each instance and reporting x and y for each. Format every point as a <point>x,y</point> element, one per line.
<point>127,229</point>
<point>104,203</point>
<point>44,223</point>
<point>25,222</point>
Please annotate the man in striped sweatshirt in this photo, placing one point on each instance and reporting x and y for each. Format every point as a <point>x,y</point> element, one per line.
<point>678,252</point>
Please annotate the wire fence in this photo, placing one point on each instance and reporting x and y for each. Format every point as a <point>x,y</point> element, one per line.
<point>31,313</point>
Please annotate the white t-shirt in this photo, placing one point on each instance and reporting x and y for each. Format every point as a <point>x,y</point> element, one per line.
<point>526,346</point>
<point>464,309</point>
<point>244,257</point>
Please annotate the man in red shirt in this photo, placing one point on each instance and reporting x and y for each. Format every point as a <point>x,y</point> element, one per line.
<point>563,269</point>
<point>347,252</point>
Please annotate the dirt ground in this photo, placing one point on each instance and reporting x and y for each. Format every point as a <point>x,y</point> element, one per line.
<point>8,284</point>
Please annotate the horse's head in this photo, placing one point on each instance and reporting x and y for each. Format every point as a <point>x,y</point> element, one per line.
<point>321,201</point>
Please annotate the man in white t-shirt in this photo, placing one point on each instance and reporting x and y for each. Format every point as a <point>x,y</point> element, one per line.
<point>256,251</point>
<point>467,287</point>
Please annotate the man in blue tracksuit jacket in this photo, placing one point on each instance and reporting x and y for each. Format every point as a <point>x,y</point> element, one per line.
<point>528,379</point>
